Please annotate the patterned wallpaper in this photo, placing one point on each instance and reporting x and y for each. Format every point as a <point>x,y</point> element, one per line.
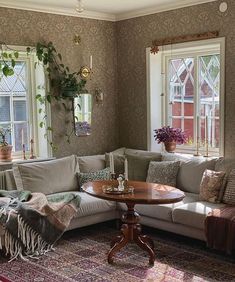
<point>119,62</point>
<point>25,28</point>
<point>135,35</point>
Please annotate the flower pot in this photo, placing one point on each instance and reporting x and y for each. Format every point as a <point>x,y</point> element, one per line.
<point>170,146</point>
<point>5,153</point>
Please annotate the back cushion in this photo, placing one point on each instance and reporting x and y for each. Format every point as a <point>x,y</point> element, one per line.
<point>118,162</point>
<point>91,163</point>
<point>119,151</point>
<point>134,152</point>
<point>48,177</point>
<point>138,166</point>
<point>190,174</point>
<point>7,180</point>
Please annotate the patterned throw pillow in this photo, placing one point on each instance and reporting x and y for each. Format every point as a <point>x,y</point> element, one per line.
<point>92,176</point>
<point>229,194</point>
<point>211,183</point>
<point>163,172</point>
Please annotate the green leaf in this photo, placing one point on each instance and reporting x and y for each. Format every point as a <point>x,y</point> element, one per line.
<point>48,97</point>
<point>16,54</point>
<point>5,55</point>
<point>27,50</point>
<point>40,111</point>
<point>49,128</point>
<point>60,57</point>
<point>38,96</point>
<point>13,63</point>
<point>41,124</point>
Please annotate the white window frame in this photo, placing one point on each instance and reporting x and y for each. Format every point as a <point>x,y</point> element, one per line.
<point>36,77</point>
<point>156,88</point>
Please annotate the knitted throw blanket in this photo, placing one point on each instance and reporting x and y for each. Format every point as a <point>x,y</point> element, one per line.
<point>30,223</point>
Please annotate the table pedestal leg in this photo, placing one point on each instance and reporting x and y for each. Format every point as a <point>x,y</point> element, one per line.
<point>131,232</point>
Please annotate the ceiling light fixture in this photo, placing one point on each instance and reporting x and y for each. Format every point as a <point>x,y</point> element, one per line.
<point>80,6</point>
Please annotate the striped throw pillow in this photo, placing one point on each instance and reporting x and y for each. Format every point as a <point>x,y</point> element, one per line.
<point>229,194</point>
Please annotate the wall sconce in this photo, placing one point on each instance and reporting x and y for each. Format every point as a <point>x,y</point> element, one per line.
<point>86,71</point>
<point>77,39</point>
<point>99,96</point>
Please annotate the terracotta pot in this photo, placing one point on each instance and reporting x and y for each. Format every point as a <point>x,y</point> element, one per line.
<point>170,146</point>
<point>5,153</point>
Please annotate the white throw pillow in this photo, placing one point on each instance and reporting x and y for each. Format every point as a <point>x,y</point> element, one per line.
<point>49,177</point>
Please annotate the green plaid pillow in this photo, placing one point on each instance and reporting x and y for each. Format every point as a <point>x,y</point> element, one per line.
<point>92,176</point>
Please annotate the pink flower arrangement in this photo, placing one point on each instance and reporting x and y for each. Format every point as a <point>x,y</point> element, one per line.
<point>170,134</point>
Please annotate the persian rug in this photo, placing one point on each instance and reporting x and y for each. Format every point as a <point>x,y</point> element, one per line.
<point>30,223</point>
<point>81,255</point>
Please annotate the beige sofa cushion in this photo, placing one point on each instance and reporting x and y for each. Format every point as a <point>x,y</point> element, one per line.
<point>156,156</point>
<point>48,177</point>
<point>91,163</point>
<point>118,162</point>
<point>190,174</point>
<point>91,205</point>
<point>119,151</point>
<point>163,212</point>
<point>138,166</point>
<point>7,180</point>
<point>193,214</point>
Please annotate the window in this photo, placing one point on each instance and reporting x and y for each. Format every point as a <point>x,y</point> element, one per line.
<point>192,89</point>
<point>14,106</point>
<point>18,105</point>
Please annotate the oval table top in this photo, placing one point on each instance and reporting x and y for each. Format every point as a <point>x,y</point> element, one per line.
<point>144,192</point>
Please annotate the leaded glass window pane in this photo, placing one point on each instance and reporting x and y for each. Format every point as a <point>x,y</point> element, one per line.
<point>14,107</point>
<point>20,113</point>
<point>4,108</point>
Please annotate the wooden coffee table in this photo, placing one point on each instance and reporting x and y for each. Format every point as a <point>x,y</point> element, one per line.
<point>144,193</point>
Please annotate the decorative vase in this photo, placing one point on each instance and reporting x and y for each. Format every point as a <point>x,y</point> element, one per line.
<point>170,146</point>
<point>5,153</point>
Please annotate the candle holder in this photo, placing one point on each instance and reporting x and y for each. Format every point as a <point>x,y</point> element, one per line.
<point>197,154</point>
<point>32,150</point>
<point>23,152</point>
<point>207,149</point>
<point>112,176</point>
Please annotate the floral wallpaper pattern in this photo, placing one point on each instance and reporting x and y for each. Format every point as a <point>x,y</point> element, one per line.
<point>25,28</point>
<point>135,35</point>
<point>119,51</point>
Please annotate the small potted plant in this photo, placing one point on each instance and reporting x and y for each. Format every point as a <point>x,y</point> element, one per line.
<point>5,148</point>
<point>170,137</point>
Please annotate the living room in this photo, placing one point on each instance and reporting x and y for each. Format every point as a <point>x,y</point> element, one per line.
<point>133,61</point>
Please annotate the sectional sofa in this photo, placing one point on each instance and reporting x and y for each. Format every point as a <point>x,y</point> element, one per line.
<point>186,217</point>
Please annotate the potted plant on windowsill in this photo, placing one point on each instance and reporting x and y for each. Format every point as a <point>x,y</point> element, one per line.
<point>5,148</point>
<point>170,137</point>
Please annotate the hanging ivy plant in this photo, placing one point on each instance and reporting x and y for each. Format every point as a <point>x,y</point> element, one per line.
<point>64,85</point>
<point>7,60</point>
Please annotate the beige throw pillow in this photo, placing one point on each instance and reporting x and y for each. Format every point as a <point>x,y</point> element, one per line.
<point>211,183</point>
<point>91,163</point>
<point>229,194</point>
<point>163,172</point>
<point>49,177</point>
